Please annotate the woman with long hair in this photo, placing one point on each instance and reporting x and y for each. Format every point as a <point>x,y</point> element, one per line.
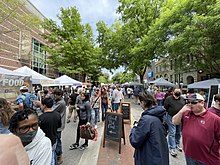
<point>6,113</point>
<point>84,119</point>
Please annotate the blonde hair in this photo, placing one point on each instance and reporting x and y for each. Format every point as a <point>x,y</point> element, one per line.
<point>6,112</point>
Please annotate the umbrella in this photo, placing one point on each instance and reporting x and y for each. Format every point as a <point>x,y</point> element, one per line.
<point>162,82</point>
<point>204,84</point>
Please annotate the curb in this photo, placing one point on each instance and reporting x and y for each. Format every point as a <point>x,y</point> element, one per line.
<point>91,154</point>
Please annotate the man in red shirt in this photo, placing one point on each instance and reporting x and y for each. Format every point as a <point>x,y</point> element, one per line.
<point>200,132</point>
<point>216,107</point>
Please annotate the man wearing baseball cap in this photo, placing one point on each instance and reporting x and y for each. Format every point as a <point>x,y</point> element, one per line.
<point>200,132</point>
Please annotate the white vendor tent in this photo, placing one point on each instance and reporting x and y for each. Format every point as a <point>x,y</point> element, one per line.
<point>162,82</point>
<point>205,84</point>
<point>10,72</point>
<point>66,80</point>
<point>37,78</point>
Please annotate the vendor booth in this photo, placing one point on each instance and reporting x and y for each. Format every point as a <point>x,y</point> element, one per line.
<point>37,78</point>
<point>162,82</point>
<point>212,85</point>
<point>10,83</point>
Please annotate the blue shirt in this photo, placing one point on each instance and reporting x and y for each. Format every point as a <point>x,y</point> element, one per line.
<point>3,129</point>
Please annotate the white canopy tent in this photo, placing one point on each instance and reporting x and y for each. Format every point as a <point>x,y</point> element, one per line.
<point>206,84</point>
<point>37,78</point>
<point>10,72</point>
<point>66,80</point>
<point>162,82</point>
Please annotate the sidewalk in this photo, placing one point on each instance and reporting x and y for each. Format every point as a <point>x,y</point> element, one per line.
<point>110,154</point>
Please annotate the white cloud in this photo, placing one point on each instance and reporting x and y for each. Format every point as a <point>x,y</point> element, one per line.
<point>91,11</point>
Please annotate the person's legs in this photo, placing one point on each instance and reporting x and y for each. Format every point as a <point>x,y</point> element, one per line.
<point>54,155</point>
<point>177,137</point>
<point>70,113</point>
<point>93,119</point>
<point>103,112</point>
<point>97,115</point>
<point>74,114</point>
<point>114,106</point>
<point>59,148</point>
<point>85,145</point>
<point>104,109</point>
<point>117,106</point>
<point>76,144</point>
<point>159,102</point>
<point>171,135</point>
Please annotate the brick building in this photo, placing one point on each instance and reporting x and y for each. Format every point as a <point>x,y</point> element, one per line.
<point>21,44</point>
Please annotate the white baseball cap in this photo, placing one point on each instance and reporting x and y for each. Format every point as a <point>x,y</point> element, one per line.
<point>195,96</point>
<point>23,88</point>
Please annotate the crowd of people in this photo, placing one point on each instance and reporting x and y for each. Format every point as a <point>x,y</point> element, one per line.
<point>40,118</point>
<point>185,115</point>
<point>40,121</point>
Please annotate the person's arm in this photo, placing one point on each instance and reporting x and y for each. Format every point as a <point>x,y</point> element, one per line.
<point>139,133</point>
<point>12,150</point>
<point>178,117</point>
<point>166,103</point>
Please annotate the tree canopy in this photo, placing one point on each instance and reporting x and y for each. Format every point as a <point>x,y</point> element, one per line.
<point>182,31</point>
<point>71,45</point>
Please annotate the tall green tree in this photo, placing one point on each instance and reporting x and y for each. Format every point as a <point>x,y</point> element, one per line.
<point>187,33</point>
<point>71,45</point>
<point>122,77</point>
<point>122,40</point>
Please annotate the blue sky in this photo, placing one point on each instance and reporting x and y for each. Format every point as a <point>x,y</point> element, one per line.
<point>91,12</point>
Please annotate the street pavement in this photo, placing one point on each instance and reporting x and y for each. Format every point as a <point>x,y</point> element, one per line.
<point>95,154</point>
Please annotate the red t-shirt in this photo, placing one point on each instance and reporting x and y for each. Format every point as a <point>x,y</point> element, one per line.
<point>201,137</point>
<point>214,110</point>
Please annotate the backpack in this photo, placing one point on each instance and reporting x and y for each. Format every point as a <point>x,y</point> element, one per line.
<point>28,101</point>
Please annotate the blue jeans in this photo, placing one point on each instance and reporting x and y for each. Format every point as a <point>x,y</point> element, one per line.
<point>104,109</point>
<point>190,161</point>
<point>115,106</point>
<point>174,132</point>
<point>59,144</point>
<point>94,116</point>
<point>160,102</point>
<point>54,155</point>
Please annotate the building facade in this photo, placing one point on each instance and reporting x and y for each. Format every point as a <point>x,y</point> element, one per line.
<point>21,44</point>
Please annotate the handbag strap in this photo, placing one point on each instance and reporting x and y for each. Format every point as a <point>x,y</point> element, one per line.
<point>95,102</point>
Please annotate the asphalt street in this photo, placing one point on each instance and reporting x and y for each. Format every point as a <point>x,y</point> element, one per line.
<point>90,155</point>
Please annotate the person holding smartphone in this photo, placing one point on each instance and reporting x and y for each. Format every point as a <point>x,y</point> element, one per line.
<point>148,135</point>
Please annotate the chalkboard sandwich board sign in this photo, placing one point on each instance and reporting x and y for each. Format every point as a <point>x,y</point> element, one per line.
<point>125,108</point>
<point>114,128</point>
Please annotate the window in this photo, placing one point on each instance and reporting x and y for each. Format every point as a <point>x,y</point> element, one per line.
<point>38,57</point>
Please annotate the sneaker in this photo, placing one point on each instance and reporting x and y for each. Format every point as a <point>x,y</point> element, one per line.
<point>74,146</point>
<point>178,146</point>
<point>173,152</point>
<point>83,147</point>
